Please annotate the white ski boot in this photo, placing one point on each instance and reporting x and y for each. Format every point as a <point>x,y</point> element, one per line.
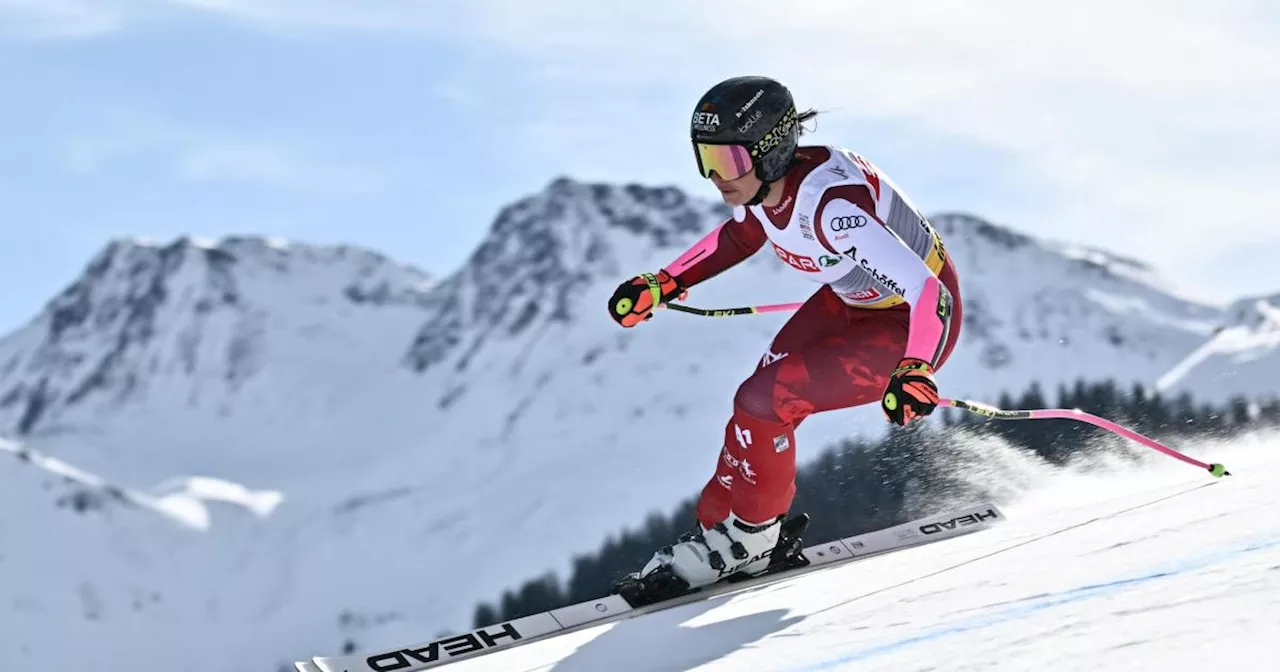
<point>730,547</point>
<point>696,552</point>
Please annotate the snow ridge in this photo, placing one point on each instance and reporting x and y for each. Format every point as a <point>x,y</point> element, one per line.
<point>1242,358</point>
<point>181,500</point>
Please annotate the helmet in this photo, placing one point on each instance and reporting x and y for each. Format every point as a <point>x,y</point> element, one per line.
<point>744,123</point>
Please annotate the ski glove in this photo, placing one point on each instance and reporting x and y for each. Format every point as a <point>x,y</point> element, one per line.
<point>911,392</point>
<point>634,300</point>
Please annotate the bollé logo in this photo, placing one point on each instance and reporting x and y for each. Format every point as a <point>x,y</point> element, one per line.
<point>750,121</point>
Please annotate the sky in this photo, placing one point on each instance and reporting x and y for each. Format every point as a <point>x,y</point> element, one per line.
<point>1147,127</point>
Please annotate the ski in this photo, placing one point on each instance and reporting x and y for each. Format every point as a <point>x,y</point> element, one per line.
<point>611,608</point>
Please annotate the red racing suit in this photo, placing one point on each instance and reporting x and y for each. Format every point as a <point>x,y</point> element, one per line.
<point>889,291</point>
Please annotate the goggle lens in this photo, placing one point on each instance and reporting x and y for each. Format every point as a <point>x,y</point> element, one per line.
<point>728,161</point>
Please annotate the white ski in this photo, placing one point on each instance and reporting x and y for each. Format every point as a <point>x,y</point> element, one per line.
<point>611,608</point>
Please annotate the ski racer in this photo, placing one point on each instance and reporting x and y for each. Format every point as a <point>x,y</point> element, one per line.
<point>885,318</point>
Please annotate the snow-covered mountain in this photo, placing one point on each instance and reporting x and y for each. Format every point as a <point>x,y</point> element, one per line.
<point>1242,358</point>
<point>433,442</point>
<point>189,352</point>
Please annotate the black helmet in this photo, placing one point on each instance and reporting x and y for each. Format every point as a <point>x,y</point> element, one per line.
<point>757,113</point>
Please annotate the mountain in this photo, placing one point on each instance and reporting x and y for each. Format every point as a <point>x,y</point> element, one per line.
<point>1242,358</point>
<point>433,441</point>
<point>1051,312</point>
<point>181,351</point>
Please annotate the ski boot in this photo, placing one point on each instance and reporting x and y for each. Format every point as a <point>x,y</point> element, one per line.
<point>661,583</point>
<point>787,555</point>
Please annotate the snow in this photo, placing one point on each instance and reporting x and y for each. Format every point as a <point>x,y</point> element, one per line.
<point>1119,304</point>
<point>1149,568</point>
<point>1242,358</point>
<point>354,441</point>
<point>185,499</point>
<point>179,499</point>
<point>1129,268</point>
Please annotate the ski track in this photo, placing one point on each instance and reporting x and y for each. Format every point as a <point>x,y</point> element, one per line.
<point>1045,602</point>
<point>1157,568</point>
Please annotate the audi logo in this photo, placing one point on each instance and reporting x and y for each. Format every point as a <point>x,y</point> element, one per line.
<point>846,223</point>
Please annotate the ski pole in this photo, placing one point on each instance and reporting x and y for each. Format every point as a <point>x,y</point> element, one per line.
<point>1217,470</point>
<point>656,291</point>
<point>726,312</point>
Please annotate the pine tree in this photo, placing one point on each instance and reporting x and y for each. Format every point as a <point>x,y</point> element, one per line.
<point>485,615</point>
<point>1270,413</point>
<point>1159,419</point>
<point>1240,412</point>
<point>1079,395</point>
<point>1185,415</point>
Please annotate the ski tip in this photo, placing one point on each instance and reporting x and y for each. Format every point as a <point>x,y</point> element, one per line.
<point>1218,470</point>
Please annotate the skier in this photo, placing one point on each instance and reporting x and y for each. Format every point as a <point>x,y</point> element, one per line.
<point>886,317</point>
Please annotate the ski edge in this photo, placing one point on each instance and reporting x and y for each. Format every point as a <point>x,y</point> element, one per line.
<point>536,627</point>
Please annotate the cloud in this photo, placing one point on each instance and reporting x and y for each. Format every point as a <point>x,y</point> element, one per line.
<point>65,19</point>
<point>392,15</point>
<point>1146,125</point>
<point>543,25</point>
<point>1143,126</point>
<point>57,19</point>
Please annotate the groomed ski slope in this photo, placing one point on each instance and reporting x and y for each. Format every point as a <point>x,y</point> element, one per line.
<point>1156,566</point>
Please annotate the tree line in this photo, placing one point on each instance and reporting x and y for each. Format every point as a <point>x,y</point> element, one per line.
<point>859,484</point>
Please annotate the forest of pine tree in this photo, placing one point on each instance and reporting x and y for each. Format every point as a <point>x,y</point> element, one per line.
<point>862,485</point>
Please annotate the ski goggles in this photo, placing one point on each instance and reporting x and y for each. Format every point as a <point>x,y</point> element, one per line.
<point>728,161</point>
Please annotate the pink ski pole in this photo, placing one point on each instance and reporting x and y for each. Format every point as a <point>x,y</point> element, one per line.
<point>1217,470</point>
